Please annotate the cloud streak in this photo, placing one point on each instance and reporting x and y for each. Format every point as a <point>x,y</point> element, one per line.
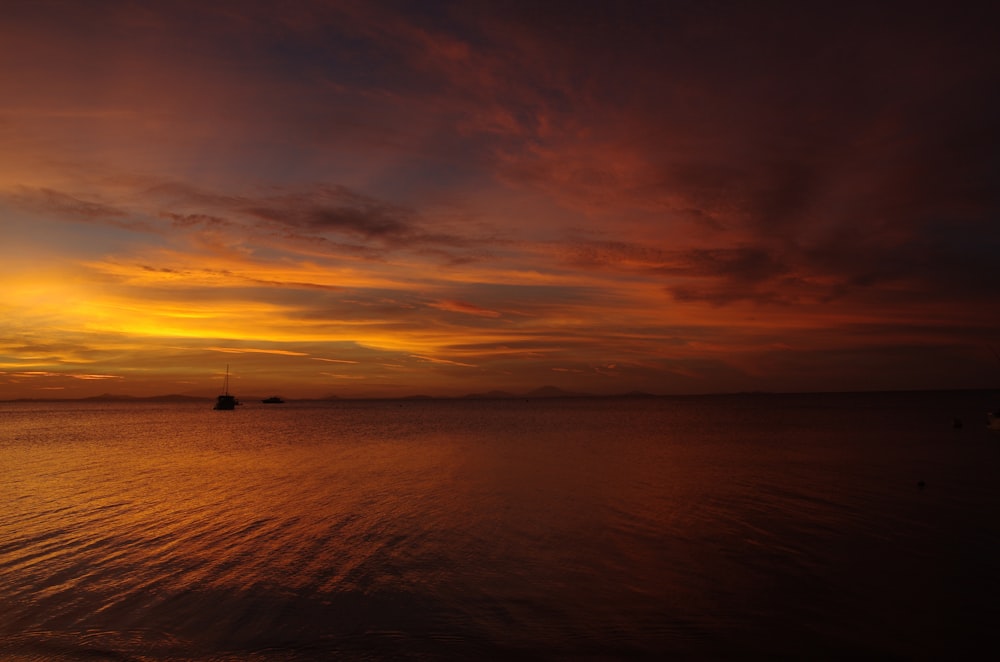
<point>469,196</point>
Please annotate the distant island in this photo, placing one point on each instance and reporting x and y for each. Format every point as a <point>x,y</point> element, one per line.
<point>112,397</point>
<point>541,392</point>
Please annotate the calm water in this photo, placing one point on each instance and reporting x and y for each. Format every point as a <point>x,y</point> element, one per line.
<point>686,528</point>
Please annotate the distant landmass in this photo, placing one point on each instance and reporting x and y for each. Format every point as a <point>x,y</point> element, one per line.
<point>151,398</point>
<point>112,397</point>
<point>491,395</point>
<point>540,392</point>
<point>552,392</point>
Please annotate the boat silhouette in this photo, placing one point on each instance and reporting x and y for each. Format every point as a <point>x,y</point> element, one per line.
<point>226,401</point>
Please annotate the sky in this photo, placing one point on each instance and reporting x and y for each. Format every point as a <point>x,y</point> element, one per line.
<point>385,199</point>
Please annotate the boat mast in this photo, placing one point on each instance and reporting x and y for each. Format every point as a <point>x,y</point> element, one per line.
<point>225,384</point>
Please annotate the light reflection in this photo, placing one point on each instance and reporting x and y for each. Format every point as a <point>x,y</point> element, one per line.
<point>565,523</point>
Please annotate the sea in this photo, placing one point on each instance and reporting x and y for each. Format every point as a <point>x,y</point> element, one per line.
<point>722,527</point>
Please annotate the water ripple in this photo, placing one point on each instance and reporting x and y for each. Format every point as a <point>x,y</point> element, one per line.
<point>489,531</point>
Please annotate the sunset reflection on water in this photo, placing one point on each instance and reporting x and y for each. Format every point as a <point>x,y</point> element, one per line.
<point>429,530</point>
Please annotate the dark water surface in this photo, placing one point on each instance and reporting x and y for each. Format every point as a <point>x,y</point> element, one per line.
<point>725,527</point>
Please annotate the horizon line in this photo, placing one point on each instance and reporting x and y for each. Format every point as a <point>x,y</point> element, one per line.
<point>541,393</point>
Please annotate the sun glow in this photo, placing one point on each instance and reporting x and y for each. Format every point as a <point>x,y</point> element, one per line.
<point>470,217</point>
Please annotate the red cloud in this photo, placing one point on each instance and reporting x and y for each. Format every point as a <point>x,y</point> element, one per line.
<point>464,307</point>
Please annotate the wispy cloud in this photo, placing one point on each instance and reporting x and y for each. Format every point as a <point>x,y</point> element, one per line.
<point>253,350</point>
<point>82,376</point>
<point>464,307</point>
<point>703,197</point>
<point>432,359</point>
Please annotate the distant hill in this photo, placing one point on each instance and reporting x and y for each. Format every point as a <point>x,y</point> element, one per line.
<point>541,392</point>
<point>107,397</point>
<point>110,397</point>
<point>553,392</point>
<point>638,394</point>
<point>491,395</point>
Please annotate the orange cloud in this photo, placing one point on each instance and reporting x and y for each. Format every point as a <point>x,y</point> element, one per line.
<point>464,307</point>
<point>251,350</point>
<point>530,193</point>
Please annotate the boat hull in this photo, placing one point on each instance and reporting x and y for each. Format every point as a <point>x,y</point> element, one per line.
<point>225,403</point>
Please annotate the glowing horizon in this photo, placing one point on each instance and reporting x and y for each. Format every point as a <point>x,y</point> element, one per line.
<point>361,200</point>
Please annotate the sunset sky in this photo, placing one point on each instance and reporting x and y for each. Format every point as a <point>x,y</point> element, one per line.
<point>396,198</point>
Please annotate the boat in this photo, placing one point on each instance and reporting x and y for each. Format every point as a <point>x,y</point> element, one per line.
<point>226,401</point>
<point>273,400</point>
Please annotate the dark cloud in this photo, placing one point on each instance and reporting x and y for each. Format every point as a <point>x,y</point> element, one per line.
<point>521,179</point>
<point>589,254</point>
<point>827,139</point>
<point>335,218</point>
<point>751,265</point>
<point>196,220</point>
<point>64,205</point>
<point>336,209</point>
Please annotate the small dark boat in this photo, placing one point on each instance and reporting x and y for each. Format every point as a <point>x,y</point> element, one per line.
<point>273,400</point>
<point>226,401</point>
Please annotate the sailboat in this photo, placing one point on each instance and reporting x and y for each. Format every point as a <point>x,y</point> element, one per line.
<point>226,401</point>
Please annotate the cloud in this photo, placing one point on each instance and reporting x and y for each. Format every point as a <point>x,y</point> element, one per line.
<point>48,201</point>
<point>433,359</point>
<point>253,350</point>
<point>464,307</point>
<point>81,376</point>
<point>336,209</point>
<point>319,220</point>
<point>677,189</point>
<point>197,220</point>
